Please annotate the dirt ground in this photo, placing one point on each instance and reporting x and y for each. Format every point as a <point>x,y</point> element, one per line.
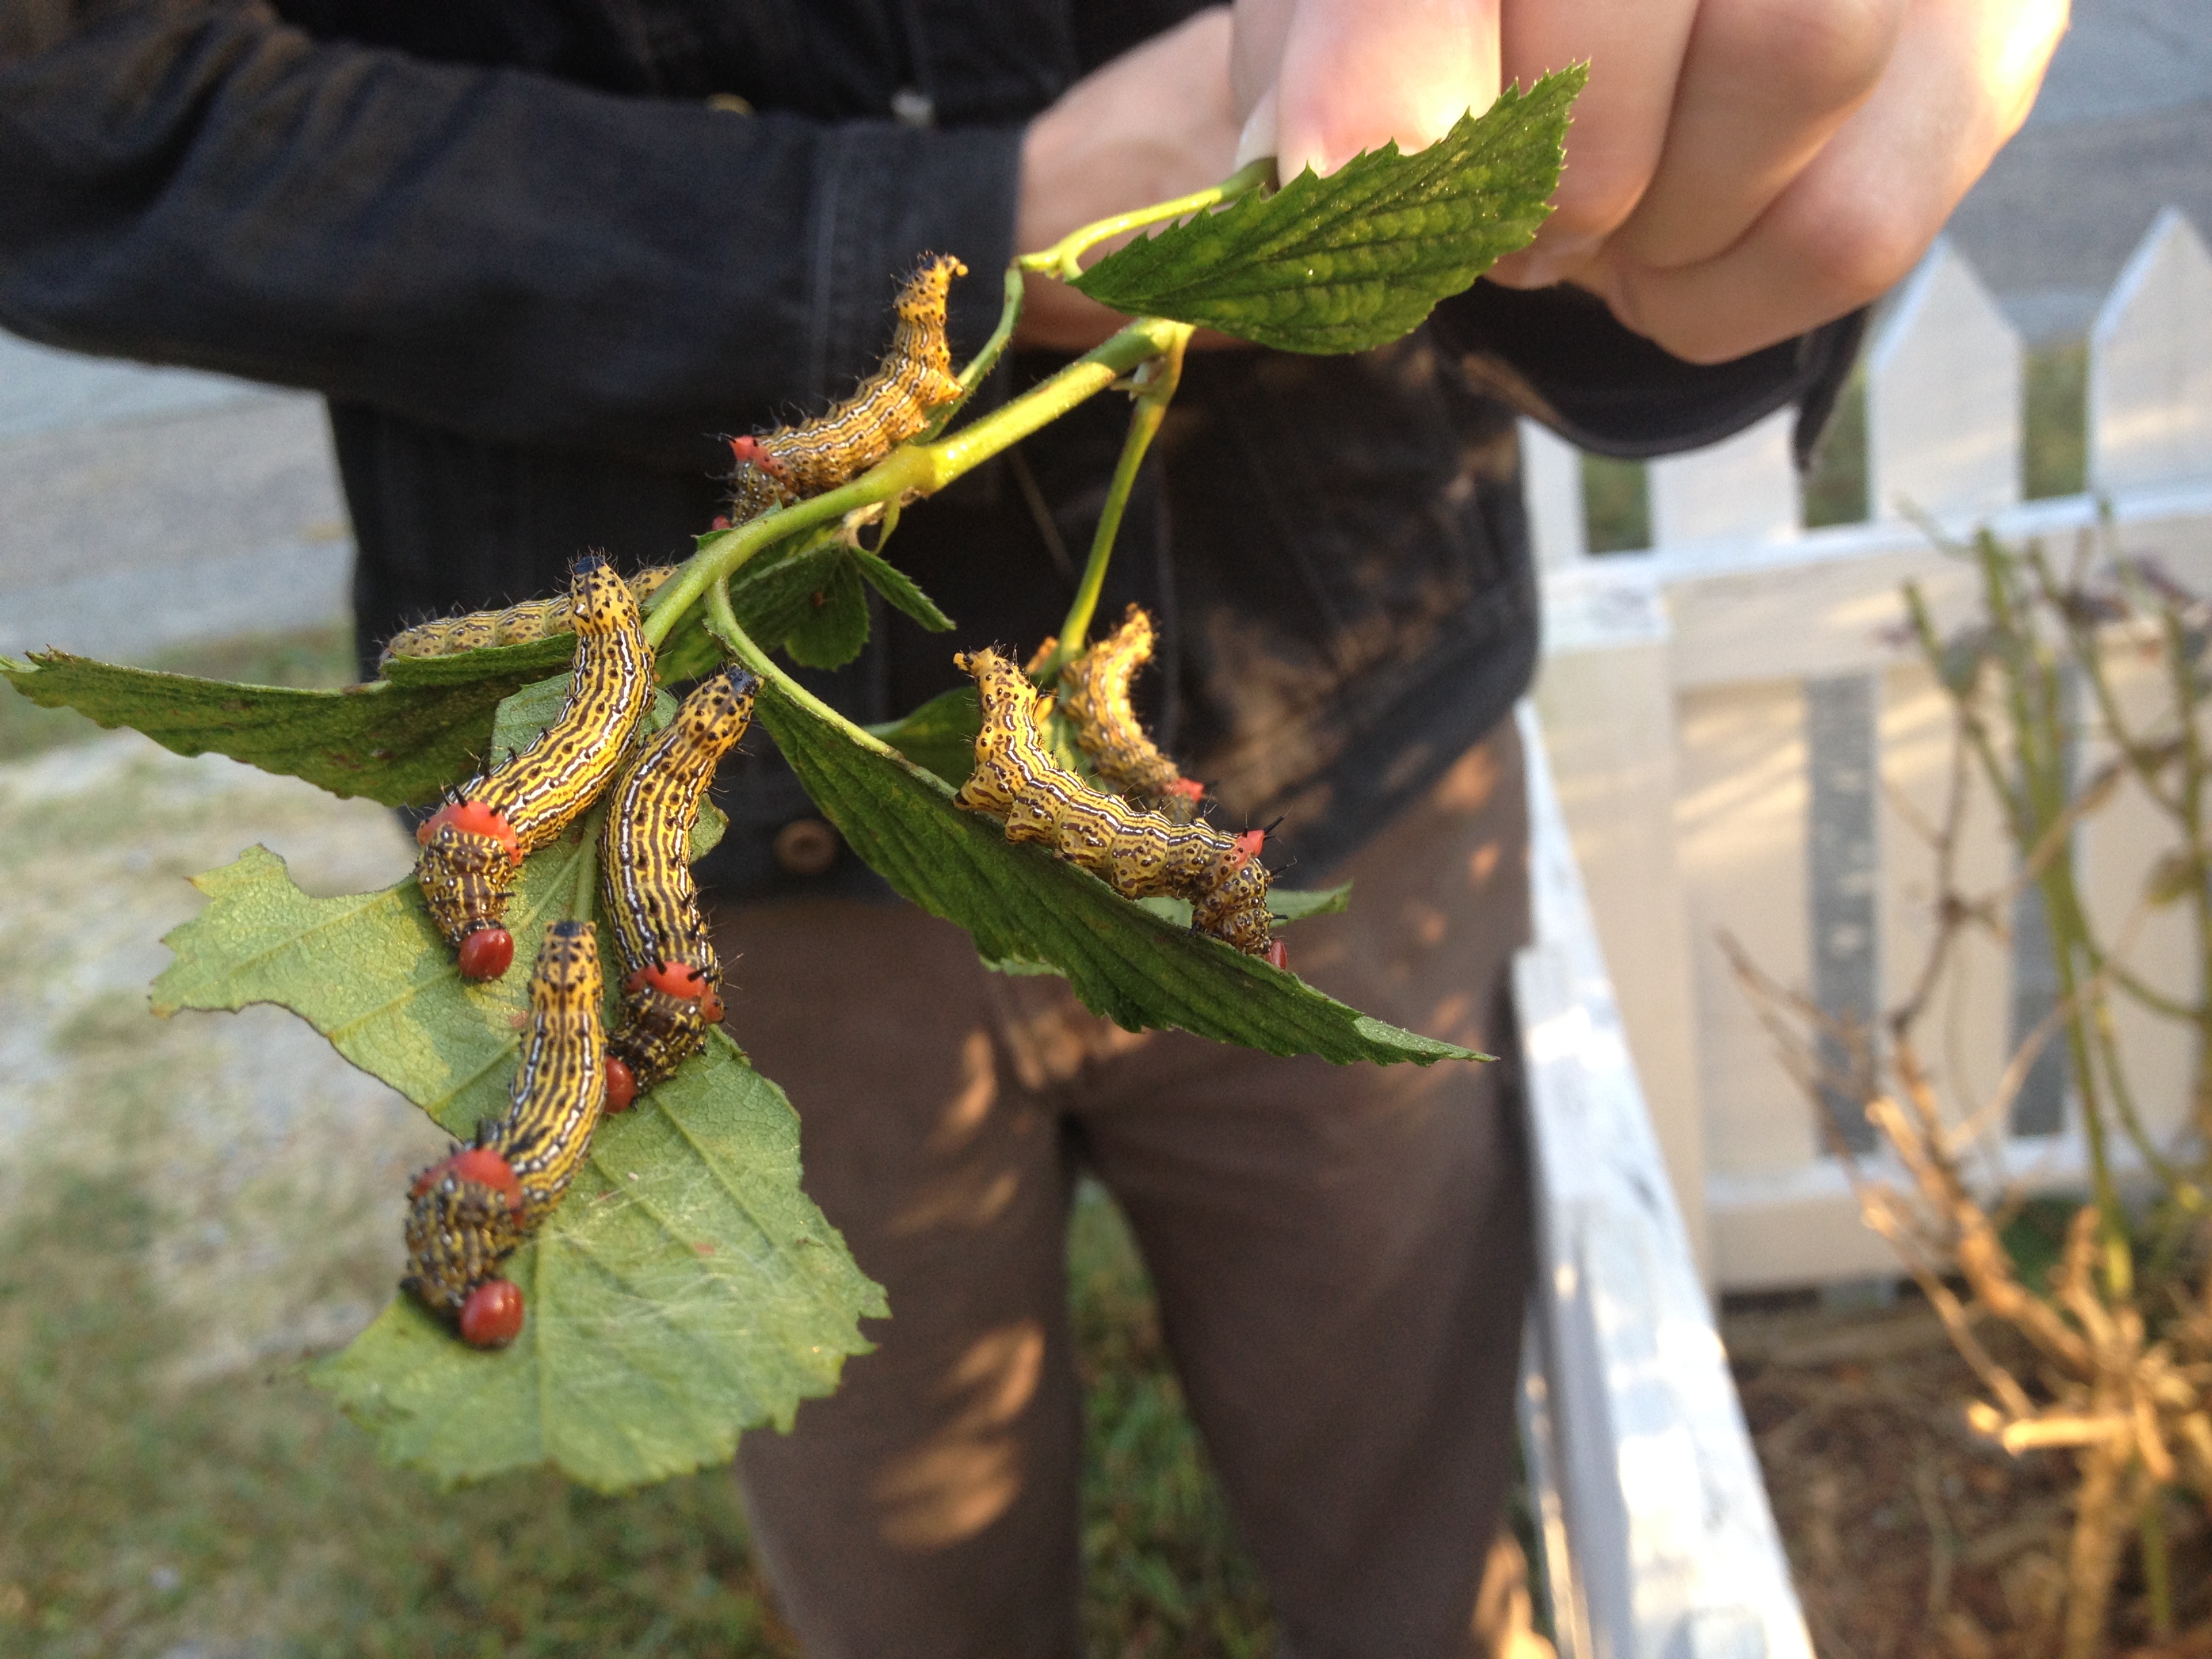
<point>1910,1534</point>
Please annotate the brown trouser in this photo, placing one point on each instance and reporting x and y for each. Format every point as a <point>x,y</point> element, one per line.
<point>1341,1254</point>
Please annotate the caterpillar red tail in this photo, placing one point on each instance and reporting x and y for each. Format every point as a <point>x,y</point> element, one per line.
<point>913,382</point>
<point>473,847</point>
<point>1140,855</point>
<point>1095,698</point>
<point>467,1214</point>
<point>671,977</point>
<point>533,619</point>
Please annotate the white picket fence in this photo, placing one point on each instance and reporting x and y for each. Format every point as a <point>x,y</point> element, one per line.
<point>1733,721</point>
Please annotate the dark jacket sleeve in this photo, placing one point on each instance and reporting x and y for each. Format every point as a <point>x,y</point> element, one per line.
<point>1557,355</point>
<point>494,252</point>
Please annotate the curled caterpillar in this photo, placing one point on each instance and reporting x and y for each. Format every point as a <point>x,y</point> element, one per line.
<point>473,847</point>
<point>670,975</point>
<point>467,1214</point>
<point>1095,698</point>
<point>914,381</point>
<point>1140,855</point>
<point>533,619</point>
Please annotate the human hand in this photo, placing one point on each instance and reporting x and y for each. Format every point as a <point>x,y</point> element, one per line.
<point>1738,171</point>
<point>1156,123</point>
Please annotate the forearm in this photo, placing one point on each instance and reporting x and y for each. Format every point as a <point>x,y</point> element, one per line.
<point>498,252</point>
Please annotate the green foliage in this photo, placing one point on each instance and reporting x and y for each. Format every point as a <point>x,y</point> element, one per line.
<point>2056,461</point>
<point>685,1289</point>
<point>1030,909</point>
<point>938,737</point>
<point>811,600</point>
<point>1616,505</point>
<point>399,740</point>
<point>1359,258</point>
<point>1836,487</point>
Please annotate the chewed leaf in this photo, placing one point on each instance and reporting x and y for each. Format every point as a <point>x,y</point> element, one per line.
<point>1359,258</point>
<point>687,1289</point>
<point>1028,910</point>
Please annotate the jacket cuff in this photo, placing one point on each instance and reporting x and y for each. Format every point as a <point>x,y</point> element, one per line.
<point>1559,356</point>
<point>885,195</point>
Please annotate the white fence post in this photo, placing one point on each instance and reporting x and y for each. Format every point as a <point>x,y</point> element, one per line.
<point>1675,1553</point>
<point>1552,485</point>
<point>1743,488</point>
<point>2150,364</point>
<point>1943,397</point>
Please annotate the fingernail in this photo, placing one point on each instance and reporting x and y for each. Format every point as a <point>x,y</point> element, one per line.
<point>1258,137</point>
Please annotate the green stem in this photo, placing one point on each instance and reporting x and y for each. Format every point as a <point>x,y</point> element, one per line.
<point>1144,418</point>
<point>722,622</point>
<point>2157,1564</point>
<point>914,468</point>
<point>585,893</point>
<point>1060,259</point>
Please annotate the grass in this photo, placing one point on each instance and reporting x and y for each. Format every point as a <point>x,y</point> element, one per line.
<point>1616,509</point>
<point>2056,461</point>
<point>313,657</point>
<point>144,1514</point>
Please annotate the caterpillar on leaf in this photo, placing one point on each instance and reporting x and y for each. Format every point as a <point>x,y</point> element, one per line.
<point>533,619</point>
<point>1140,854</point>
<point>473,847</point>
<point>671,977</point>
<point>1095,700</point>
<point>912,383</point>
<point>467,1213</point>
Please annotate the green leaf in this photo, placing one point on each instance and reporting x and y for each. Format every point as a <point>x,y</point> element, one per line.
<point>1359,258</point>
<point>940,737</point>
<point>685,1290</point>
<point>1027,909</point>
<point>835,627</point>
<point>899,591</point>
<point>1285,904</point>
<point>400,741</point>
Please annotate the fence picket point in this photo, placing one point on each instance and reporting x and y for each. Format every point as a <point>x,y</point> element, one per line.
<point>1944,381</point>
<point>2150,364</point>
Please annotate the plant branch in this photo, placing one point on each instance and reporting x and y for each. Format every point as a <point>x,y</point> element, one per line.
<point>1150,408</point>
<point>1061,259</point>
<point>913,469</point>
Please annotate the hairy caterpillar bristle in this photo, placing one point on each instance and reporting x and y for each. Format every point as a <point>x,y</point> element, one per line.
<point>467,1213</point>
<point>671,978</point>
<point>1095,702</point>
<point>533,619</point>
<point>912,383</point>
<point>1139,853</point>
<point>474,846</point>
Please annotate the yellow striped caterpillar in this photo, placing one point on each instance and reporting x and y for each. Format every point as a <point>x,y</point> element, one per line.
<point>1095,698</point>
<point>671,976</point>
<point>467,1213</point>
<point>473,846</point>
<point>913,382</point>
<point>1140,855</point>
<point>533,619</point>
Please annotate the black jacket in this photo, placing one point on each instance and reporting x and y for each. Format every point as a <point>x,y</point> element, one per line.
<point>538,273</point>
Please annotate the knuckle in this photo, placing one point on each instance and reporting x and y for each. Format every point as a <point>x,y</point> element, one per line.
<point>1823,51</point>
